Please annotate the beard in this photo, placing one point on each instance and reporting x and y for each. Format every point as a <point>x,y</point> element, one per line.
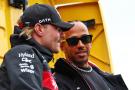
<point>79,61</point>
<point>79,58</point>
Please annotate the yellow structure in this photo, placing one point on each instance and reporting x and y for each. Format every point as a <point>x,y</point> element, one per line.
<point>69,10</point>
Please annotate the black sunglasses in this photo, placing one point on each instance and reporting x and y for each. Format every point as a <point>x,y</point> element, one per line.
<point>85,39</point>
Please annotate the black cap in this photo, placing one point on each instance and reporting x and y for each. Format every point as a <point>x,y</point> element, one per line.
<point>44,14</point>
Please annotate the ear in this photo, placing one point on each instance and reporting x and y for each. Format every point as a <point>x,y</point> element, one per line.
<point>39,29</point>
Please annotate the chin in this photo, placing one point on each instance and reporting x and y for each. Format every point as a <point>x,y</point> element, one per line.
<point>55,48</point>
<point>83,60</point>
<point>80,60</point>
<point>56,51</point>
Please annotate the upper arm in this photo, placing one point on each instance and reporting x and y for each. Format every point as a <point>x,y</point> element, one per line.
<point>24,69</point>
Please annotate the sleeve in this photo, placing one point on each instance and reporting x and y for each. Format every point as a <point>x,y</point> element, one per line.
<point>116,82</point>
<point>24,69</point>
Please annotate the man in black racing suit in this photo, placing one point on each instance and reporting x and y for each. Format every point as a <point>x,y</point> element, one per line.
<point>35,39</point>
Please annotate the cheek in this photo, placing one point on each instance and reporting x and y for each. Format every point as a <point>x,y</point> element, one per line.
<point>55,35</point>
<point>88,46</point>
<point>67,50</point>
<point>71,51</point>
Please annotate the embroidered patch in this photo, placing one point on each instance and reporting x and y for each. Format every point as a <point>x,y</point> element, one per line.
<point>26,64</point>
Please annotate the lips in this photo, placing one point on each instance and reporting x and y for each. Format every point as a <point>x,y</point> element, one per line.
<point>81,53</point>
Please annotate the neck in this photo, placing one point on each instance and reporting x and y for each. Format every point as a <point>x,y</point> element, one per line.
<point>86,65</point>
<point>80,64</point>
<point>82,68</point>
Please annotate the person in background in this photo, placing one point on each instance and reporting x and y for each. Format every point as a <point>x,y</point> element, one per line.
<point>76,72</point>
<point>35,39</point>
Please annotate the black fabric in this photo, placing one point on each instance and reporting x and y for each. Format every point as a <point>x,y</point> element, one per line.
<point>23,64</point>
<point>95,80</point>
<point>44,14</point>
<point>20,78</point>
<point>17,30</point>
<point>68,78</point>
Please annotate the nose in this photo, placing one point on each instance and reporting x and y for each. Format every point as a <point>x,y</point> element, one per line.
<point>80,44</point>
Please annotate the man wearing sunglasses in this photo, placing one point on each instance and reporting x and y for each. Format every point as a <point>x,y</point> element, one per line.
<point>76,72</point>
